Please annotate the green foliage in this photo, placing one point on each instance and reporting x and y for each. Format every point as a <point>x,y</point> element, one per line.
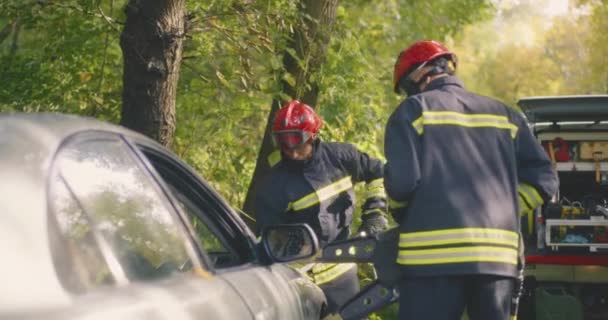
<point>65,56</point>
<point>69,60</point>
<point>523,52</point>
<point>61,58</point>
<point>598,48</point>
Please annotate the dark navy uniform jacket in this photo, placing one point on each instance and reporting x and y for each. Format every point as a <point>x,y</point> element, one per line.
<point>460,167</point>
<point>320,191</point>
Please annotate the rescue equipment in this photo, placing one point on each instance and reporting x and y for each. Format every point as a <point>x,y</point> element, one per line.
<point>558,150</point>
<point>381,251</point>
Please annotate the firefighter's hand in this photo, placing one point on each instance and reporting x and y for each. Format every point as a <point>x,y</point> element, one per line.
<point>373,223</point>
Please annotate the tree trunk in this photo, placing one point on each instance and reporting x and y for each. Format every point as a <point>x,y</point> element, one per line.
<point>309,41</point>
<point>152,48</point>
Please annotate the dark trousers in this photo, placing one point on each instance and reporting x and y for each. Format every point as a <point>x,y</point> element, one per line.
<point>340,290</point>
<point>484,297</point>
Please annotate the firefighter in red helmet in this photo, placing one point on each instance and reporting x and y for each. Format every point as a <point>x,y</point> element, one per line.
<point>313,183</point>
<point>460,169</point>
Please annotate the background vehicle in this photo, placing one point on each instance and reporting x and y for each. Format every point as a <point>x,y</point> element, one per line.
<point>99,222</point>
<point>567,239</point>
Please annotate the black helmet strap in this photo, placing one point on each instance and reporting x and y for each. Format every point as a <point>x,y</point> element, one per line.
<point>440,65</point>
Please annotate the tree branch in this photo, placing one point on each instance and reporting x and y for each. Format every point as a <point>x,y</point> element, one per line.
<point>6,31</point>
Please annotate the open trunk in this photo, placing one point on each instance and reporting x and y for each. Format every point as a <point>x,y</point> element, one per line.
<point>567,239</point>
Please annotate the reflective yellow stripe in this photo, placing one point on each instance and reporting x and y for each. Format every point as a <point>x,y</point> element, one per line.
<point>458,255</point>
<point>375,194</point>
<point>529,199</point>
<point>394,204</point>
<point>459,236</point>
<point>377,183</point>
<point>418,125</point>
<point>331,272</point>
<point>464,120</point>
<point>372,210</point>
<point>524,206</point>
<point>527,211</point>
<point>321,194</point>
<point>530,222</point>
<point>530,194</point>
<point>274,158</point>
<point>375,189</point>
<point>320,267</point>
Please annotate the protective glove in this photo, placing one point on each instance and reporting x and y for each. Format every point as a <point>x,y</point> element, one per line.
<point>373,223</point>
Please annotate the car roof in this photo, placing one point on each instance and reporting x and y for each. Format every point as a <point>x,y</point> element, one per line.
<point>565,108</point>
<point>28,143</point>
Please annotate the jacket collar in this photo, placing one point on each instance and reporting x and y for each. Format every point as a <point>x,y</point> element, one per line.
<point>302,164</point>
<point>444,81</point>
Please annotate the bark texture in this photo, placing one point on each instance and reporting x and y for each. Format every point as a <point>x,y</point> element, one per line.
<point>152,45</point>
<point>309,42</point>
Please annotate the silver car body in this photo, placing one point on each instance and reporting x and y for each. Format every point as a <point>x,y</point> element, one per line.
<point>31,288</point>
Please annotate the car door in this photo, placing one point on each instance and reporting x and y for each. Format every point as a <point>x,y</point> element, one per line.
<point>271,292</point>
<point>119,245</point>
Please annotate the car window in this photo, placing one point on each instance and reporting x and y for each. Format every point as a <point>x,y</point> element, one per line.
<point>78,258</point>
<point>223,242</point>
<point>113,215</point>
<point>218,249</point>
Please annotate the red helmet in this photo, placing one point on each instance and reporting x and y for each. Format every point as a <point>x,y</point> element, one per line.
<point>420,52</point>
<point>295,124</point>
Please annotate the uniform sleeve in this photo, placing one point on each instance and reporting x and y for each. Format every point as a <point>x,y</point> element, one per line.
<point>537,178</point>
<point>364,168</point>
<point>402,148</point>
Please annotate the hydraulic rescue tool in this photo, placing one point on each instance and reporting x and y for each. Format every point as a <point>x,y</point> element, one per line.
<point>379,250</point>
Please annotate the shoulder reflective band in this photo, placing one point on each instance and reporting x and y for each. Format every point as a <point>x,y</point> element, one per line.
<point>321,194</point>
<point>327,272</point>
<point>463,120</point>
<point>458,246</point>
<point>375,189</point>
<point>274,157</point>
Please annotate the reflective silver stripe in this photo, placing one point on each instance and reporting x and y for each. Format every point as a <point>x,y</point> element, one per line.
<point>530,194</point>
<point>464,120</point>
<point>459,236</point>
<point>458,255</point>
<point>321,194</point>
<point>328,273</point>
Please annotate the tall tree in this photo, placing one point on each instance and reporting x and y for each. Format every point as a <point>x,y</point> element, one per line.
<point>152,45</point>
<point>303,56</point>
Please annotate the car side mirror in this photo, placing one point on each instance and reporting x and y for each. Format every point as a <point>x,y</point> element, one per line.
<point>289,242</point>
